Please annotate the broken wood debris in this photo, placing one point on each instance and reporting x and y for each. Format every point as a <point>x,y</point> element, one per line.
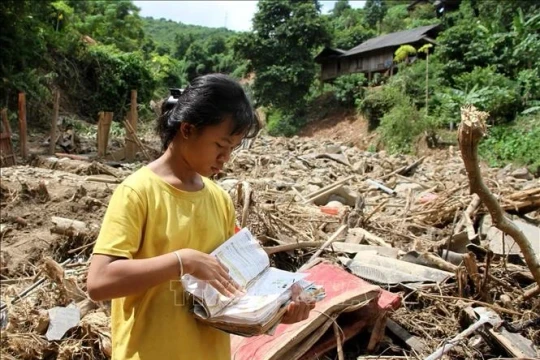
<point>281,199</point>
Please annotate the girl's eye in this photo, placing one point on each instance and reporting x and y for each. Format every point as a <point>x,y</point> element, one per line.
<point>220,146</point>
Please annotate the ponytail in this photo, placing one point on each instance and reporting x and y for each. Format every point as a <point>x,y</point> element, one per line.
<point>206,102</point>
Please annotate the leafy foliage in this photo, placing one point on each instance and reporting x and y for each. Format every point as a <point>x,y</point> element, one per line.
<point>348,27</point>
<point>377,102</point>
<point>514,143</point>
<point>294,30</point>
<point>375,11</point>
<point>400,127</point>
<point>97,51</point>
<point>403,53</point>
<point>349,88</point>
<point>283,124</point>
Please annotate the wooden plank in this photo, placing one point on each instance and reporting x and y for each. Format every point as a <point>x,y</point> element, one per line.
<point>5,122</point>
<point>131,147</point>
<point>54,123</point>
<point>136,141</point>
<point>99,137</point>
<point>23,136</point>
<point>7,156</point>
<point>104,127</point>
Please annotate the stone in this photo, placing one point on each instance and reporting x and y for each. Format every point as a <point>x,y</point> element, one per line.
<point>333,149</point>
<point>311,188</point>
<point>316,181</point>
<point>336,199</point>
<point>335,204</point>
<point>344,195</point>
<point>298,165</point>
<point>228,184</point>
<point>403,188</point>
<point>358,167</point>
<point>502,173</point>
<point>522,173</point>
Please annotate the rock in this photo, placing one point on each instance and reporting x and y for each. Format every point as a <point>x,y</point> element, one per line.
<point>334,198</point>
<point>316,181</point>
<point>311,188</point>
<point>502,173</point>
<point>358,167</point>
<point>298,165</point>
<point>522,173</point>
<point>403,188</point>
<point>319,172</point>
<point>333,149</point>
<point>335,204</point>
<point>228,184</point>
<point>344,195</point>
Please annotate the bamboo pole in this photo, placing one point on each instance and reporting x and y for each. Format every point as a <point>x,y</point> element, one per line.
<point>54,123</point>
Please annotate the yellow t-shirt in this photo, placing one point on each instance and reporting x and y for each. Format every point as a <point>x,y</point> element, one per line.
<point>147,217</point>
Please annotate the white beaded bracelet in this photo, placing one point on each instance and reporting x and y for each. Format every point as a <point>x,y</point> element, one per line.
<point>181,265</point>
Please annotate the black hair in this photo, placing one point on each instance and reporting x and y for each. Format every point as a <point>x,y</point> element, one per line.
<point>205,102</point>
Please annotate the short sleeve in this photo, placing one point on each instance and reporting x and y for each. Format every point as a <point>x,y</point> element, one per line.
<point>231,215</point>
<point>121,230</point>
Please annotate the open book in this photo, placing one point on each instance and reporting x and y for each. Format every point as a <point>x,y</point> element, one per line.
<point>267,289</point>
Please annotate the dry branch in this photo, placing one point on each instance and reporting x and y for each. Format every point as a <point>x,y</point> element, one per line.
<point>325,245</point>
<point>471,130</point>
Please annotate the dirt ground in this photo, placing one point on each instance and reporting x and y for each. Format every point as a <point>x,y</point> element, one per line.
<point>32,194</point>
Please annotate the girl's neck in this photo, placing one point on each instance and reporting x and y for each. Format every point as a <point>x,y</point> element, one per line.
<point>175,170</point>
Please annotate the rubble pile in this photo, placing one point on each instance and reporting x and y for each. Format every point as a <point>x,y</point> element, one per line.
<point>409,225</point>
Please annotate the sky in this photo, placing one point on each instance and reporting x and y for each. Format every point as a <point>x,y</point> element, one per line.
<point>234,15</point>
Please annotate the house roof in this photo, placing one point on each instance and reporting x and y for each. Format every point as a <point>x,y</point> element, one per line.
<point>392,39</point>
<point>329,52</point>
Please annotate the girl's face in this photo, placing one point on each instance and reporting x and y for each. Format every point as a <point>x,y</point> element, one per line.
<point>207,150</point>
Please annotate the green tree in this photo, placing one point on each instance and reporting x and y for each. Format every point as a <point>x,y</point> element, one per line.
<point>340,7</point>
<point>285,37</point>
<point>403,53</point>
<point>375,11</point>
<point>110,22</point>
<point>349,29</point>
<point>395,19</point>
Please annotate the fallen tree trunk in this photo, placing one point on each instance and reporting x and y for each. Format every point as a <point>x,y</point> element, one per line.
<point>471,130</point>
<point>69,227</point>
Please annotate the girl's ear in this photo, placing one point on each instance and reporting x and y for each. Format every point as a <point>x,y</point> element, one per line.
<point>186,130</point>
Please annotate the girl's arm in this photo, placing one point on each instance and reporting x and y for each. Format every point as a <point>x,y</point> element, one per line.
<point>112,277</point>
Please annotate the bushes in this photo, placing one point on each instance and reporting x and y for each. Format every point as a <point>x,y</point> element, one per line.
<point>514,143</point>
<point>499,94</point>
<point>283,124</point>
<point>349,88</point>
<point>109,77</point>
<point>377,102</point>
<point>400,126</point>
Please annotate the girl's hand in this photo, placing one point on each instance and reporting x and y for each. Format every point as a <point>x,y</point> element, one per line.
<point>208,268</point>
<point>297,310</point>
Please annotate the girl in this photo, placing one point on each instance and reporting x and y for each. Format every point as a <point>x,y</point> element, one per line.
<point>164,220</point>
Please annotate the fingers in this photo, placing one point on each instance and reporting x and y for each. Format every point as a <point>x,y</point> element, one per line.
<point>222,288</point>
<point>306,309</point>
<point>225,269</point>
<point>228,279</point>
<point>226,286</point>
<point>296,291</point>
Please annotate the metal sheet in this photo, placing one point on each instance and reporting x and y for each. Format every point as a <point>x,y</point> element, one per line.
<point>495,237</point>
<point>383,270</point>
